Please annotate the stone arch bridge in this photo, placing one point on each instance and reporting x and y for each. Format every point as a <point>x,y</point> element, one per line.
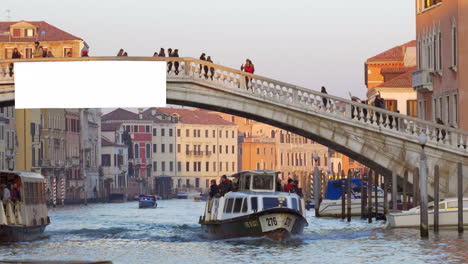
<point>382,140</point>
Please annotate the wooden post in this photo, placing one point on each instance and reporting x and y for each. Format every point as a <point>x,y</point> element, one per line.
<point>369,191</point>
<point>349,195</point>
<point>376,195</point>
<point>385,187</point>
<point>416,187</point>
<point>394,190</point>
<point>436,198</point>
<point>343,201</point>
<point>316,191</point>
<point>460,198</point>
<point>364,196</point>
<point>405,192</point>
<point>424,224</point>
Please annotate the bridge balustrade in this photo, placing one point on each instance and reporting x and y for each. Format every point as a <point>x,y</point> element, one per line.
<point>302,99</point>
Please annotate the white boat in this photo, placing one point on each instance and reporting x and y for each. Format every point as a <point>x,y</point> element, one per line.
<point>253,209</point>
<point>331,205</point>
<point>26,218</point>
<point>448,215</point>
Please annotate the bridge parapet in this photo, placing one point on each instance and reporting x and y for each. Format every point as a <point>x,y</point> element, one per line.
<point>306,100</point>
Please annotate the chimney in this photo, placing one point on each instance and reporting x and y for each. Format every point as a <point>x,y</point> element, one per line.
<point>140,113</point>
<point>153,112</point>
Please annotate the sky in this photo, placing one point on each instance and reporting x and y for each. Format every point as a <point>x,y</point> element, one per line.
<point>308,43</point>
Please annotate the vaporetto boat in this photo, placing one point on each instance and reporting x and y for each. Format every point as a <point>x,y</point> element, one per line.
<point>254,209</point>
<point>27,218</point>
<point>448,215</point>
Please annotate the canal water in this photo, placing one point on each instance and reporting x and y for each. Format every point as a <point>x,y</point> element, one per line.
<point>171,234</point>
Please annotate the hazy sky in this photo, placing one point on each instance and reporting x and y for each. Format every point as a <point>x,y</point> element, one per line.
<point>304,42</point>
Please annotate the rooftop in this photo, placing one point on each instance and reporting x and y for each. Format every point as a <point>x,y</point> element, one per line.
<point>404,80</point>
<point>194,116</point>
<point>394,54</point>
<point>45,32</point>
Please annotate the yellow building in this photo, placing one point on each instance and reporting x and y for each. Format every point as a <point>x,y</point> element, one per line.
<point>23,34</point>
<point>28,131</point>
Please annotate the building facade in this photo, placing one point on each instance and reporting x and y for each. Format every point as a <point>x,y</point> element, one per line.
<point>28,131</point>
<point>8,142</point>
<point>73,170</point>
<point>441,78</point>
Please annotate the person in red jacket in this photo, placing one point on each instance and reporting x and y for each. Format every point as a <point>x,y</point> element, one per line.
<point>249,68</point>
<point>290,186</point>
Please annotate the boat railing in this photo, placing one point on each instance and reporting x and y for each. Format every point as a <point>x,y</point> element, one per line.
<point>10,213</point>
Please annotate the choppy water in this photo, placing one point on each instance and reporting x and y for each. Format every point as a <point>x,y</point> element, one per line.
<point>170,234</point>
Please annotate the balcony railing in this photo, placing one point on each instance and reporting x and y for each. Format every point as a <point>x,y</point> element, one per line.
<point>422,80</point>
<point>198,153</point>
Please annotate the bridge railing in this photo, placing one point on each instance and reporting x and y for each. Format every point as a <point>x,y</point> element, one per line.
<point>220,77</point>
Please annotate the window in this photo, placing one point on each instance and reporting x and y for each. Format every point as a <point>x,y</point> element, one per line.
<point>227,149</point>
<point>197,182</point>
<point>154,132</point>
<point>206,133</point>
<point>244,205</point>
<point>455,109</point>
<point>148,172</point>
<point>137,151</point>
<point>270,202</point>
<point>187,133</point>
<point>163,132</point>
<point>228,206</point>
<point>66,51</point>
<point>412,108</point>
<point>187,182</point>
<point>178,132</point>
<point>195,166</point>
<point>135,128</point>
<point>155,166</point>
<point>233,134</point>
<point>171,166</point>
<point>254,203</point>
<point>258,151</point>
<point>447,113</point>
<point>170,132</point>
<point>178,148</point>
<point>148,151</point>
<point>163,148</point>
<point>214,149</point>
<point>295,206</point>
<point>179,166</point>
<point>187,166</point>
<point>147,129</point>
<point>16,32</point>
<point>199,166</point>
<point>207,166</point>
<point>171,148</point>
<point>214,165</point>
<point>163,166</point>
<point>391,105</point>
<point>238,205</point>
<point>234,149</point>
<point>214,133</point>
<point>454,45</point>
<point>194,133</point>
<point>106,160</point>
<point>220,149</point>
<point>155,148</point>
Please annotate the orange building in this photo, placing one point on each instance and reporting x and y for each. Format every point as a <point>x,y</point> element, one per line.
<point>258,153</point>
<point>441,79</point>
<point>23,34</point>
<point>389,74</point>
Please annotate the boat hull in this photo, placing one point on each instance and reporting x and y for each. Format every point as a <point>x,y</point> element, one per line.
<point>447,218</point>
<point>20,233</point>
<point>277,224</point>
<point>147,205</point>
<point>332,208</point>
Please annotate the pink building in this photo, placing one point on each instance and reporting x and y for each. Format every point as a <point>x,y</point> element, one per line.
<point>74,180</point>
<point>441,78</point>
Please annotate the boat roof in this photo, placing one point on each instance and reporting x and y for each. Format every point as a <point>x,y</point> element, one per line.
<point>24,175</point>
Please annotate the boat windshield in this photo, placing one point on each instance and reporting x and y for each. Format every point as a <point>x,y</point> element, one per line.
<point>263,182</point>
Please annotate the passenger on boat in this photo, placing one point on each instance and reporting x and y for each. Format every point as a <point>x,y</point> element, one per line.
<point>225,186</point>
<point>279,186</point>
<point>296,188</point>
<point>214,189</point>
<point>290,186</point>
<point>6,194</point>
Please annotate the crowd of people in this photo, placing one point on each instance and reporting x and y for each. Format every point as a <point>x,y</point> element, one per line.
<point>10,193</point>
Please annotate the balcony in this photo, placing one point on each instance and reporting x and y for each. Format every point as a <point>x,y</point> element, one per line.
<point>198,153</point>
<point>422,81</point>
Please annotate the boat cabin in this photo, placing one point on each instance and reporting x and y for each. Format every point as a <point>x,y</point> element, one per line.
<point>26,204</point>
<point>253,191</point>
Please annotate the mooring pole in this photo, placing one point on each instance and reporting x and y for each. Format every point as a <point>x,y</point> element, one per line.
<point>460,198</point>
<point>364,196</point>
<point>424,224</point>
<point>385,188</point>
<point>436,198</point>
<point>394,190</point>
<point>316,191</point>
<point>376,195</point>
<point>405,192</point>
<point>349,195</point>
<point>416,187</point>
<point>343,201</point>
<point>369,191</point>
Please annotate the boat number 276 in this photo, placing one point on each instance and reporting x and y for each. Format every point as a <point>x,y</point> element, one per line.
<point>271,221</point>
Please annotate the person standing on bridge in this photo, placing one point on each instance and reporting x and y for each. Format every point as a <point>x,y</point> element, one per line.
<point>169,63</point>
<point>120,54</point>
<point>205,68</point>
<point>175,54</point>
<point>249,68</point>
<point>162,53</point>
<point>324,99</point>
<point>212,69</point>
<point>155,54</point>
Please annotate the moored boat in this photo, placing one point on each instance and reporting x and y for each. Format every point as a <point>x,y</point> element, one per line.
<point>254,209</point>
<point>147,201</point>
<point>331,205</point>
<point>448,215</point>
<point>26,218</point>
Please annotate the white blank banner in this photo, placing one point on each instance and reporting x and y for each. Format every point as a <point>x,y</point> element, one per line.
<point>90,84</point>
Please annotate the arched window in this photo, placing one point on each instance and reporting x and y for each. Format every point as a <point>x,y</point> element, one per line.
<point>137,151</point>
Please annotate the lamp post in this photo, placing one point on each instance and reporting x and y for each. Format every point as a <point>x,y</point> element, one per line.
<point>316,185</point>
<point>424,224</point>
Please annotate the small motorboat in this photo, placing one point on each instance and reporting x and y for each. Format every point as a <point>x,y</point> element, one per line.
<point>254,209</point>
<point>331,205</point>
<point>147,201</point>
<point>24,219</point>
<point>448,215</point>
